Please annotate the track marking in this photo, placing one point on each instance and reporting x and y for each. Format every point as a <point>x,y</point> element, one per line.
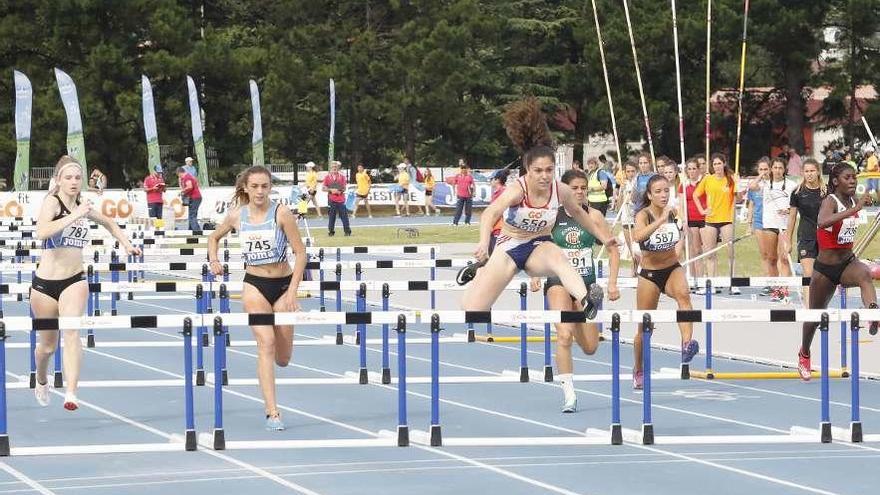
<point>35,486</point>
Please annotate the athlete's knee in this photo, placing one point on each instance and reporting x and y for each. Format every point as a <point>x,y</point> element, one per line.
<point>282,361</point>
<point>564,338</point>
<point>266,346</point>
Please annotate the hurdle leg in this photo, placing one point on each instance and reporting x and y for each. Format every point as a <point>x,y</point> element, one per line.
<point>855,425</point>
<point>710,374</point>
<point>4,434</point>
<point>548,368</point>
<point>200,332</point>
<point>362,332</point>
<point>616,430</point>
<point>90,309</point>
<point>402,426</point>
<point>59,378</point>
<point>647,424</point>
<point>825,425</point>
<point>386,369</point>
<point>219,350</point>
<point>436,435</point>
<point>843,367</point>
<point>32,338</point>
<point>523,337</point>
<point>190,432</point>
<point>338,301</point>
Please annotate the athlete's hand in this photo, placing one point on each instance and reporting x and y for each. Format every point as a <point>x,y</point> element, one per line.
<point>786,243</point>
<point>133,250</point>
<point>292,300</point>
<point>864,200</point>
<point>535,284</point>
<point>613,292</point>
<point>611,242</point>
<point>707,212</point>
<point>482,251</point>
<point>215,267</point>
<point>84,208</point>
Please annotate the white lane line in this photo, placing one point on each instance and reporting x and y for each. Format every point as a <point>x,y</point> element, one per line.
<point>249,467</point>
<point>35,486</point>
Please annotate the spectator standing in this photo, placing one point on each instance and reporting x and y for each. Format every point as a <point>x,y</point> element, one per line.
<point>191,196</point>
<point>872,167</point>
<point>403,183</point>
<point>430,182</point>
<point>97,181</point>
<point>464,192</point>
<point>189,167</point>
<point>154,185</point>
<point>364,184</point>
<point>795,165</point>
<point>334,184</point>
<point>312,185</point>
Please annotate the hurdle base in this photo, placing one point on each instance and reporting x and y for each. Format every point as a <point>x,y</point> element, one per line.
<point>357,338</point>
<point>548,374</point>
<point>338,338</point>
<point>825,429</point>
<point>4,445</point>
<point>402,436</point>
<point>648,434</point>
<point>228,340</point>
<point>206,339</point>
<point>362,376</point>
<point>386,376</point>
<point>191,442</point>
<point>200,378</point>
<point>471,335</point>
<point>130,296</point>
<point>524,374</point>
<point>225,378</point>
<point>90,340</point>
<point>616,434</point>
<point>855,432</point>
<point>436,436</point>
<point>219,439</point>
<point>59,380</point>
<point>32,380</point>
<point>685,371</point>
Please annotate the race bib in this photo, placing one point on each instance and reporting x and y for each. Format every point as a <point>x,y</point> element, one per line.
<point>581,260</point>
<point>75,235</point>
<point>848,228</point>
<point>258,245</point>
<point>664,238</point>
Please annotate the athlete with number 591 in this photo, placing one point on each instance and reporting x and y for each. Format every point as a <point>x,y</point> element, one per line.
<point>265,228</point>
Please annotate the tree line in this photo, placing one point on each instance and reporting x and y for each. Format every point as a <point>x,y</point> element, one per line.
<point>427,79</point>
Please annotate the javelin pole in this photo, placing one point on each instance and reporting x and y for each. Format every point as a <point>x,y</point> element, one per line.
<point>632,43</point>
<point>739,114</point>
<point>683,198</point>
<point>708,79</point>
<point>607,85</point>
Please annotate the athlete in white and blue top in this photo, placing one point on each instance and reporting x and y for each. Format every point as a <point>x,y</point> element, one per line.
<point>266,231</point>
<point>529,211</point>
<point>58,287</point>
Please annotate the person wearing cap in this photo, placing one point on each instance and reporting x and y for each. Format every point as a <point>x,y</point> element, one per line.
<point>154,185</point>
<point>403,180</point>
<point>191,196</point>
<point>188,166</point>
<point>464,192</point>
<point>872,169</point>
<point>334,184</point>
<point>312,185</point>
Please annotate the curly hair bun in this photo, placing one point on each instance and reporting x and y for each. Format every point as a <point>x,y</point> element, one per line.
<point>526,125</point>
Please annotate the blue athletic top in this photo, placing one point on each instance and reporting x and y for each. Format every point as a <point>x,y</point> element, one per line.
<point>262,243</point>
<point>757,198</point>
<point>74,235</point>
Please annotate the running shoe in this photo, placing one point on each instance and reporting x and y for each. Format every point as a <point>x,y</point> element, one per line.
<point>70,402</point>
<point>570,405</point>
<point>593,300</point>
<point>776,295</point>
<point>41,392</point>
<point>734,291</point>
<point>638,380</point>
<point>688,350</point>
<point>274,423</point>
<point>766,290</point>
<point>804,367</point>
<point>467,273</point>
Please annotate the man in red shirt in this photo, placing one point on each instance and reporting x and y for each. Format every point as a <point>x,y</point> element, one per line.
<point>334,184</point>
<point>191,196</point>
<point>464,191</point>
<point>154,185</point>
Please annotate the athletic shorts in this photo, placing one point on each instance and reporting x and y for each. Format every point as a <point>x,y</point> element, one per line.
<point>697,224</point>
<point>807,249</point>
<point>519,250</point>
<point>54,288</point>
<point>271,288</point>
<point>155,210</point>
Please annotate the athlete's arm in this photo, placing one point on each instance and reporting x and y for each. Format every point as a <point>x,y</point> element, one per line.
<point>220,232</point>
<point>511,196</point>
<point>288,224</point>
<point>828,216</point>
<point>114,230</point>
<point>613,255</point>
<point>46,227</point>
<point>643,229</point>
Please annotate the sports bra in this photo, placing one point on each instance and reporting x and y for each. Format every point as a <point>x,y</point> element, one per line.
<point>524,221</point>
<point>262,243</point>
<point>842,234</point>
<point>74,235</point>
<point>664,238</point>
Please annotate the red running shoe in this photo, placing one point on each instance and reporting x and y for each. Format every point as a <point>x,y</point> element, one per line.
<point>804,367</point>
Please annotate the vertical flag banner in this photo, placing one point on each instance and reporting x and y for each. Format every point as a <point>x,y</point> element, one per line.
<point>76,144</point>
<point>257,139</point>
<point>332,148</point>
<point>24,95</point>
<point>198,139</point>
<point>150,131</point>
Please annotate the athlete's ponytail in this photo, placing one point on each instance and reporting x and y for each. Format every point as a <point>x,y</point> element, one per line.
<point>526,126</point>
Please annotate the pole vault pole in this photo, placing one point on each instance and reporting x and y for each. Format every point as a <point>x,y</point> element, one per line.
<point>708,80</point>
<point>683,197</point>
<point>739,114</point>
<point>632,43</point>
<point>607,83</point>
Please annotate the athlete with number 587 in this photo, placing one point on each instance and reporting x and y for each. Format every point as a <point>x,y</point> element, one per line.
<point>265,228</point>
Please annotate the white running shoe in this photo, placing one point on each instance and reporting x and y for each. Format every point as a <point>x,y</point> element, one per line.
<point>70,402</point>
<point>570,405</point>
<point>41,392</point>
